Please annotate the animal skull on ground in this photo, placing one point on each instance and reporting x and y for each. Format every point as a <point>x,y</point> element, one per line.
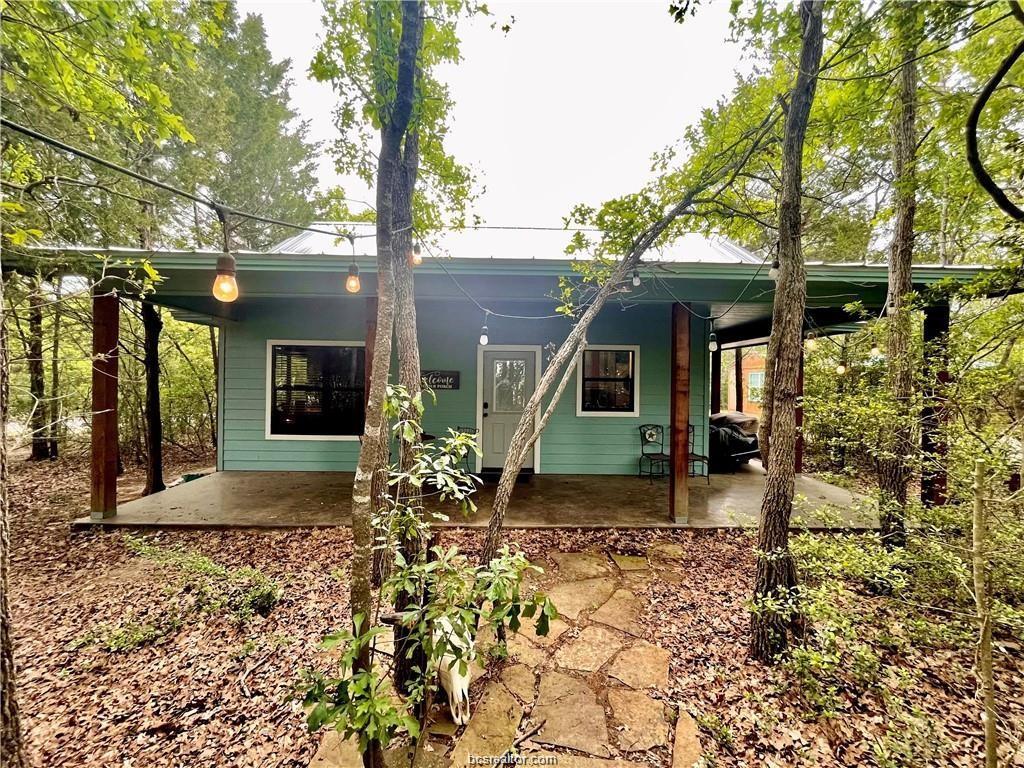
<point>455,684</point>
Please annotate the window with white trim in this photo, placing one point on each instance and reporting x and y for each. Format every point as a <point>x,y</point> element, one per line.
<point>316,390</point>
<point>755,386</point>
<point>608,381</point>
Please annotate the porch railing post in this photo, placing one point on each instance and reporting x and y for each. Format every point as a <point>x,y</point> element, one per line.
<point>738,384</point>
<point>679,495</point>
<point>716,380</point>
<point>933,445</point>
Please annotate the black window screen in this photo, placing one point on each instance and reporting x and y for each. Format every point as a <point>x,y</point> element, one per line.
<point>608,380</point>
<point>317,390</point>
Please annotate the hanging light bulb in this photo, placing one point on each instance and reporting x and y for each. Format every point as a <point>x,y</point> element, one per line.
<point>416,255</point>
<point>225,287</point>
<point>840,369</point>
<point>773,271</point>
<point>484,338</point>
<point>812,342</point>
<point>713,342</point>
<point>352,284</point>
<point>636,278</point>
<point>875,351</point>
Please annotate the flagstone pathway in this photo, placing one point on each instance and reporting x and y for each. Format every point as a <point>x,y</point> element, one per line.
<point>586,692</point>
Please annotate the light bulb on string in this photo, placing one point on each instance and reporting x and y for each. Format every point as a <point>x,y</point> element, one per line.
<point>713,342</point>
<point>773,270</point>
<point>875,351</point>
<point>225,286</point>
<point>840,369</point>
<point>636,278</point>
<point>484,337</point>
<point>352,283</point>
<point>416,255</point>
<point>812,342</point>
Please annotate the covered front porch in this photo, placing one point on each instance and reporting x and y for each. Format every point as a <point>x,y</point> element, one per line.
<point>322,499</point>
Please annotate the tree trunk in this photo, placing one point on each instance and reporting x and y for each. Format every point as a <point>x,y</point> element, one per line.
<point>375,431</point>
<point>983,604</point>
<point>36,374</point>
<point>151,326</point>
<point>776,571</point>
<point>10,729</point>
<point>56,408</point>
<point>407,660</point>
<point>894,470</point>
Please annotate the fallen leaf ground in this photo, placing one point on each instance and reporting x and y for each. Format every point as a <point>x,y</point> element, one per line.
<point>215,692</point>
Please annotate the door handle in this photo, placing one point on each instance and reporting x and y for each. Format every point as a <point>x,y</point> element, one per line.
<point>485,410</point>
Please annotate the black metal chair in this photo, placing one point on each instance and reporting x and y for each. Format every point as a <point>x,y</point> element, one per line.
<point>697,458</point>
<point>652,452</point>
<point>466,459</point>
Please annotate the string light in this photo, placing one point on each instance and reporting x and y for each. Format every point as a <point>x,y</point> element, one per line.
<point>875,351</point>
<point>712,338</point>
<point>484,338</point>
<point>812,342</point>
<point>773,271</point>
<point>636,278</point>
<point>840,369</point>
<point>225,287</point>
<point>352,284</point>
<point>416,255</point>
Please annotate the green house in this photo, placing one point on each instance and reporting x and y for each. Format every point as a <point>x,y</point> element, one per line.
<point>294,354</point>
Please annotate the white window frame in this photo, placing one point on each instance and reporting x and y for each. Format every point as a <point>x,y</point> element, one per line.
<point>751,387</point>
<point>635,413</point>
<point>268,394</point>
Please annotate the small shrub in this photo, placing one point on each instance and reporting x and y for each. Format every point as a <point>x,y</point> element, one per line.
<point>910,741</point>
<point>715,727</point>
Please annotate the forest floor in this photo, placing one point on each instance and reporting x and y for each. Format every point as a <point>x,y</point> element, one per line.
<point>124,659</point>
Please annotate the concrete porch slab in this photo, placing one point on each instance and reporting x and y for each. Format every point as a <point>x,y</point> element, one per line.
<point>322,499</point>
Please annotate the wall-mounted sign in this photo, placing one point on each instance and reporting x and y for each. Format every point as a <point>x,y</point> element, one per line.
<point>441,379</point>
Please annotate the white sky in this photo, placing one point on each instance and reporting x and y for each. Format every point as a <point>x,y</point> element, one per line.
<point>567,108</point>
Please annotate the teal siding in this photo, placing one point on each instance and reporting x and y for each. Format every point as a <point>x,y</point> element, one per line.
<point>449,332</point>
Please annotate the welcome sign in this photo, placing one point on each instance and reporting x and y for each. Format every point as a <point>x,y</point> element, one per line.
<point>441,379</point>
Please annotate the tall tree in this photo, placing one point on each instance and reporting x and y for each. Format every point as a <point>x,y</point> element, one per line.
<point>775,583</point>
<point>894,468</point>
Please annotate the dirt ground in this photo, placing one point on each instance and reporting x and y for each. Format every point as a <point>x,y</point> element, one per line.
<point>215,692</point>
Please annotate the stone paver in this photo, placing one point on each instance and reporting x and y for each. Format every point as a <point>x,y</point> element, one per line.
<point>622,611</point>
<point>521,681</point>
<point>572,716</point>
<point>642,718</point>
<point>642,666</point>
<point>555,630</point>
<point>574,597</point>
<point>686,750</point>
<point>591,650</point>
<point>334,752</point>
<point>667,554</point>
<point>628,563</point>
<point>492,727</point>
<point>522,650</point>
<point>574,566</point>
<point>566,760</point>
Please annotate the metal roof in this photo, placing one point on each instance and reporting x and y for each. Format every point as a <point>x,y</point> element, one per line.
<point>508,243</point>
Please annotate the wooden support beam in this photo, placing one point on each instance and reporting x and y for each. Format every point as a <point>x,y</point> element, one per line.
<point>679,493</point>
<point>103,490</point>
<point>933,445</point>
<point>798,463</point>
<point>738,384</point>
<point>716,381</point>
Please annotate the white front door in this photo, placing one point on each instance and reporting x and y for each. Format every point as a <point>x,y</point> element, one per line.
<point>508,380</point>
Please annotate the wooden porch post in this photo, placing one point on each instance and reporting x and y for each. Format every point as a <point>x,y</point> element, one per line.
<point>798,464</point>
<point>738,384</point>
<point>933,446</point>
<point>679,498</point>
<point>716,380</point>
<point>103,490</point>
